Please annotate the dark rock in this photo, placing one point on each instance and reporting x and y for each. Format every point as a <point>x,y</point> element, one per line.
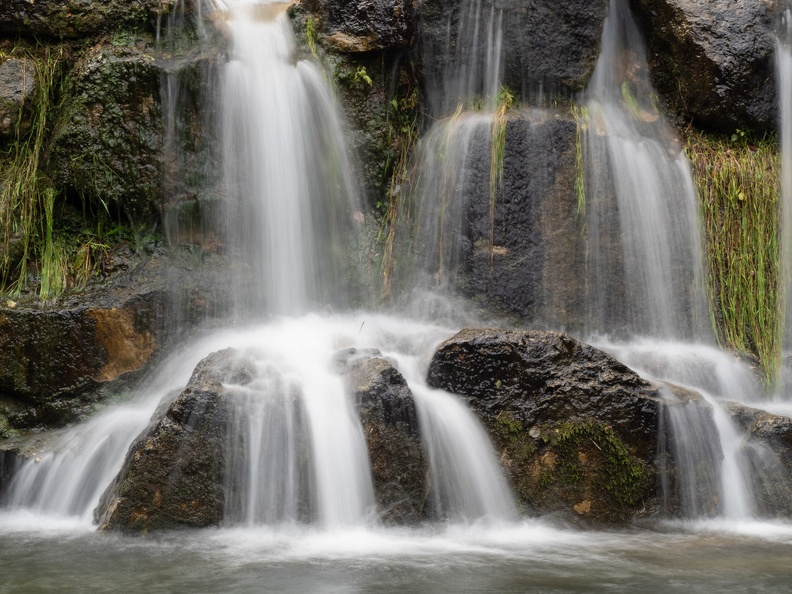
<point>107,144</point>
<point>390,424</point>
<point>76,18</point>
<point>576,429</point>
<point>547,46</point>
<point>55,364</point>
<point>524,255</point>
<point>767,448</point>
<point>364,25</point>
<point>173,474</point>
<point>713,61</point>
<point>17,89</point>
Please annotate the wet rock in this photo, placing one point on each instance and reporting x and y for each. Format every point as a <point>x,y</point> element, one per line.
<point>713,61</point>
<point>56,364</point>
<point>390,424</point>
<point>576,430</point>
<point>546,46</point>
<point>17,90</point>
<point>364,25</point>
<point>173,474</point>
<point>75,18</point>
<point>767,448</point>
<point>107,144</point>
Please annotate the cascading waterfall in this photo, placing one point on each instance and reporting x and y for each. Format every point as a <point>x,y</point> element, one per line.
<point>288,180</point>
<point>296,451</point>
<point>633,156</point>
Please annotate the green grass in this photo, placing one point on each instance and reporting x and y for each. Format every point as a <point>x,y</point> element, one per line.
<point>738,184</point>
<point>500,121</point>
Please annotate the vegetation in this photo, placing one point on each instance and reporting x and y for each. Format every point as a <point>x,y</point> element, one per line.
<point>499,122</point>
<point>738,183</point>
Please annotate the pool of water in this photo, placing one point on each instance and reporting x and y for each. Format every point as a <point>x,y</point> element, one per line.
<point>42,554</point>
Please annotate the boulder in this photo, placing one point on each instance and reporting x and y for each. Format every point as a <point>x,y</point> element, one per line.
<point>173,474</point>
<point>714,61</point>
<point>390,425</point>
<point>359,26</point>
<point>76,18</point>
<point>55,364</point>
<point>17,91</point>
<point>577,431</point>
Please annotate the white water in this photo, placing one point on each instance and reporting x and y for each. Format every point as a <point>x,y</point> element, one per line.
<point>287,173</point>
<point>633,154</point>
<point>784,85</point>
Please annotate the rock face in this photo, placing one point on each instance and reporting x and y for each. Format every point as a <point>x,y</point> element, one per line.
<point>365,25</point>
<point>577,431</point>
<point>107,144</point>
<point>17,89</point>
<point>75,18</point>
<point>55,364</point>
<point>173,474</point>
<point>546,45</point>
<point>390,424</point>
<point>713,61</point>
<point>522,254</point>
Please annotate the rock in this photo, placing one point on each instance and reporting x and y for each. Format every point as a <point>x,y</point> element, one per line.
<point>573,426</point>
<point>535,269</point>
<point>75,18</point>
<point>55,364</point>
<point>768,451</point>
<point>390,424</point>
<point>107,144</point>
<point>359,26</point>
<point>547,46</point>
<point>714,61</point>
<point>173,474</point>
<point>17,91</point>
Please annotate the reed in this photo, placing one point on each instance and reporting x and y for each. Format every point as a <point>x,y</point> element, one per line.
<point>738,183</point>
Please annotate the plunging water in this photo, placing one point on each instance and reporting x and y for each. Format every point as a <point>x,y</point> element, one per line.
<point>784,78</point>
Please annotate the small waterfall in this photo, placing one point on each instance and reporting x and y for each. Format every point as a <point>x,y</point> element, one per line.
<point>291,196</point>
<point>632,154</point>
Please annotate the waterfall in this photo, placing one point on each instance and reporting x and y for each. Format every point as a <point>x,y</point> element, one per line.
<point>633,156</point>
<point>290,192</point>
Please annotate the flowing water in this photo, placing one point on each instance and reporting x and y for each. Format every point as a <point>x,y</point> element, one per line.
<point>784,78</point>
<point>300,513</point>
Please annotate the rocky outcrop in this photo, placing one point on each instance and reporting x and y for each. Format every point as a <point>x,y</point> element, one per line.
<point>55,364</point>
<point>714,61</point>
<point>173,474</point>
<point>390,425</point>
<point>107,143</point>
<point>523,253</point>
<point>17,90</point>
<point>360,26</point>
<point>546,46</point>
<point>76,18</point>
<point>576,430</point>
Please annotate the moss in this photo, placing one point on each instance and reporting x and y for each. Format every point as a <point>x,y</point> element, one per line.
<point>557,466</point>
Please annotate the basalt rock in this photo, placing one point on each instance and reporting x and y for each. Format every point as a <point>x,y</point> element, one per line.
<point>576,430</point>
<point>390,424</point>
<point>714,61</point>
<point>173,474</point>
